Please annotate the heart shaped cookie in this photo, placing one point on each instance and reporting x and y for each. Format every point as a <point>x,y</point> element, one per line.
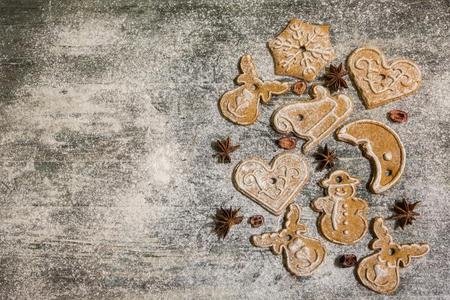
<point>380,82</point>
<point>274,185</point>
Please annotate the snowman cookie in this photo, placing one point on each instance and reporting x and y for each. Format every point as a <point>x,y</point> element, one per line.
<point>343,217</point>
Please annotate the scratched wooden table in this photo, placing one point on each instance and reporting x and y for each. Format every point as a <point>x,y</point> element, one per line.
<point>108,110</point>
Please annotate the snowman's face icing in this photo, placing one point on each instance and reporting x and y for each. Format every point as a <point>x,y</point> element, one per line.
<point>343,191</point>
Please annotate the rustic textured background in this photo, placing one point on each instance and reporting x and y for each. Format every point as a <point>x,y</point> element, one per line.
<point>108,110</point>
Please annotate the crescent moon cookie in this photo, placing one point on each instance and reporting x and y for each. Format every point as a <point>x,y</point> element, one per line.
<point>382,146</point>
<point>241,105</point>
<point>302,254</point>
<point>380,270</point>
<point>274,185</point>
<point>379,81</point>
<point>301,50</point>
<point>314,119</point>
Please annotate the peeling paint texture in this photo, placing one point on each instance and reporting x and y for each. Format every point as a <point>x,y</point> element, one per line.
<point>108,109</point>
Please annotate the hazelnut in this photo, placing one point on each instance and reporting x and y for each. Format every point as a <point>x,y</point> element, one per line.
<point>256,221</point>
<point>348,260</point>
<point>299,87</point>
<point>398,116</point>
<point>287,143</point>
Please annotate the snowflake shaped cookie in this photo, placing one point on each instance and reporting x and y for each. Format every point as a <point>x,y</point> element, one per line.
<point>301,50</point>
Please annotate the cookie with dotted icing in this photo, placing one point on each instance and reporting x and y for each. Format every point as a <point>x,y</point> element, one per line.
<point>343,217</point>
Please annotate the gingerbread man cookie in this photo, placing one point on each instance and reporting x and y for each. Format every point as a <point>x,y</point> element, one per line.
<point>241,105</point>
<point>382,146</point>
<point>301,50</point>
<point>303,254</point>
<point>313,120</point>
<point>343,219</point>
<point>380,82</point>
<point>272,186</point>
<point>380,271</point>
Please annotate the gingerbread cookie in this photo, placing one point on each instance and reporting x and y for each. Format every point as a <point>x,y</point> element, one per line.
<point>382,146</point>
<point>241,105</point>
<point>380,82</point>
<point>380,271</point>
<point>301,50</point>
<point>313,120</point>
<point>343,219</point>
<point>272,186</point>
<point>303,254</point>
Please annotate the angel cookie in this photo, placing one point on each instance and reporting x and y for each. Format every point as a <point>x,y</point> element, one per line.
<point>302,50</point>
<point>303,254</point>
<point>379,81</point>
<point>382,146</point>
<point>272,186</point>
<point>241,105</point>
<point>314,119</point>
<point>380,270</point>
<point>343,219</point>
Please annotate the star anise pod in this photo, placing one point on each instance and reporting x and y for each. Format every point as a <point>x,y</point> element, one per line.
<point>224,148</point>
<point>334,78</point>
<point>326,158</point>
<point>404,213</point>
<point>224,219</point>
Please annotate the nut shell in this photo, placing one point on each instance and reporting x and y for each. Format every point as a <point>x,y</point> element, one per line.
<point>256,221</point>
<point>347,260</point>
<point>398,116</point>
<point>287,143</point>
<point>299,87</point>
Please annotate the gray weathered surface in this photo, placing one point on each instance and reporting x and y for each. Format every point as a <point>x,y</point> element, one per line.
<point>108,109</point>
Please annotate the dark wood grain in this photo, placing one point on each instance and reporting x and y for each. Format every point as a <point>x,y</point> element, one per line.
<point>107,113</point>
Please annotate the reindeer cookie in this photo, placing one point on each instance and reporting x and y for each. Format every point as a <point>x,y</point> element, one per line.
<point>301,50</point>
<point>343,219</point>
<point>380,82</point>
<point>303,255</point>
<point>241,105</point>
<point>380,271</point>
<point>314,119</point>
